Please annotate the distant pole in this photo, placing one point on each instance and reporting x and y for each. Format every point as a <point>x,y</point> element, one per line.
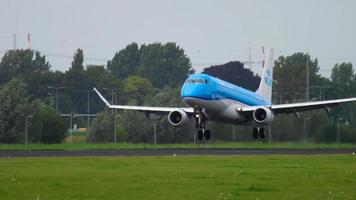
<point>71,120</point>
<point>263,56</point>
<point>88,105</point>
<point>29,41</point>
<point>26,136</point>
<point>338,129</point>
<point>306,128</point>
<point>57,100</point>
<point>321,91</point>
<point>338,132</point>
<point>115,130</point>
<point>269,134</point>
<point>233,133</point>
<point>51,99</point>
<point>112,95</point>
<point>57,93</point>
<point>194,137</point>
<point>323,95</point>
<point>26,129</point>
<point>154,119</point>
<point>14,41</point>
<point>155,131</point>
<point>88,109</point>
<point>307,78</point>
<point>249,58</point>
<point>71,127</point>
<point>324,88</point>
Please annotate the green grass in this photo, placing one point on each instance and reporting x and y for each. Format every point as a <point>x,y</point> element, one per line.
<point>206,177</point>
<point>247,145</point>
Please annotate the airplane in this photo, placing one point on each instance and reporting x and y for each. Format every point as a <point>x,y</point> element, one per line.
<point>212,99</point>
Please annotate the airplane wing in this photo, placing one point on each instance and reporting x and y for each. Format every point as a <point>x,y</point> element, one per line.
<point>147,109</point>
<point>300,107</point>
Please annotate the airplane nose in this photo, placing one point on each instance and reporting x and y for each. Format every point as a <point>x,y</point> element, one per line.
<point>187,91</point>
<point>197,91</point>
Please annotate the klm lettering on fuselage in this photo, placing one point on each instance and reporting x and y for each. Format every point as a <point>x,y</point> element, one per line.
<point>268,79</point>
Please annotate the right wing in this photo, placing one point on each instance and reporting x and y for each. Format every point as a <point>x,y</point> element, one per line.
<point>300,107</point>
<point>147,109</point>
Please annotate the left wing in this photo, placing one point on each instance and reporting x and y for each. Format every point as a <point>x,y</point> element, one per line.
<point>147,109</point>
<point>300,107</point>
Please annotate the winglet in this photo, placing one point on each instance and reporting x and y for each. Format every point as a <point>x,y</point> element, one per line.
<point>102,97</point>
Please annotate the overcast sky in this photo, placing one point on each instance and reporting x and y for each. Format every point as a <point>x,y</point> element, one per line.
<point>211,32</point>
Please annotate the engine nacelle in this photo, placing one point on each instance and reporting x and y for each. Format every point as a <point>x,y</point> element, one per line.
<point>263,115</point>
<point>177,117</point>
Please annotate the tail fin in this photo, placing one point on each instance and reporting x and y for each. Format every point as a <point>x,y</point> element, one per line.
<point>265,88</point>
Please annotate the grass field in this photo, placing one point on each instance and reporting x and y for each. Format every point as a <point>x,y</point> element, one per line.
<point>206,177</point>
<point>245,145</point>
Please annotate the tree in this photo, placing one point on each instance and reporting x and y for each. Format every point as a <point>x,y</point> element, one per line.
<point>78,59</point>
<point>47,126</point>
<point>165,131</point>
<point>38,82</point>
<point>343,83</point>
<point>75,81</point>
<point>126,62</point>
<point>137,126</point>
<point>14,106</point>
<point>99,77</point>
<point>161,64</point>
<point>290,75</point>
<point>235,73</point>
<point>343,80</point>
<point>137,89</point>
<point>121,133</point>
<point>102,128</point>
<point>22,64</point>
<point>164,64</point>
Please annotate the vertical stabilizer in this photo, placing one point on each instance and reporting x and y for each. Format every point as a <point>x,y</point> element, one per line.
<point>265,88</point>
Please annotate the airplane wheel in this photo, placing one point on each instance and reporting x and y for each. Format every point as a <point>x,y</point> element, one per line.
<point>207,134</point>
<point>200,135</point>
<point>262,133</point>
<point>254,133</point>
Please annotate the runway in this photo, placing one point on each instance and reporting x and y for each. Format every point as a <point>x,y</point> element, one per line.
<point>171,152</point>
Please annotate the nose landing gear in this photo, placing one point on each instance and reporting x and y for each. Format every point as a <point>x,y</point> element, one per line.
<point>200,125</point>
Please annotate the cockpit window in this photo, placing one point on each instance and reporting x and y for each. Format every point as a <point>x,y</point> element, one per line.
<point>197,81</point>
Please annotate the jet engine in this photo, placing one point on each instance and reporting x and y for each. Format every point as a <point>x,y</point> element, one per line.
<point>177,117</point>
<point>263,115</point>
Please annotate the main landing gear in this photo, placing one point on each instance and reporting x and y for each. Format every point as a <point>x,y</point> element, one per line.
<point>258,131</point>
<point>200,125</point>
<point>202,133</point>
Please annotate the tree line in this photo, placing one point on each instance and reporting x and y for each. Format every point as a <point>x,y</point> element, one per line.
<point>152,74</point>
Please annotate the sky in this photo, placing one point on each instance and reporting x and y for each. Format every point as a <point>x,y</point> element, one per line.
<point>210,31</point>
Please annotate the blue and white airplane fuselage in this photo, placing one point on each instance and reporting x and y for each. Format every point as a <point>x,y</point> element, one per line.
<point>219,98</point>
